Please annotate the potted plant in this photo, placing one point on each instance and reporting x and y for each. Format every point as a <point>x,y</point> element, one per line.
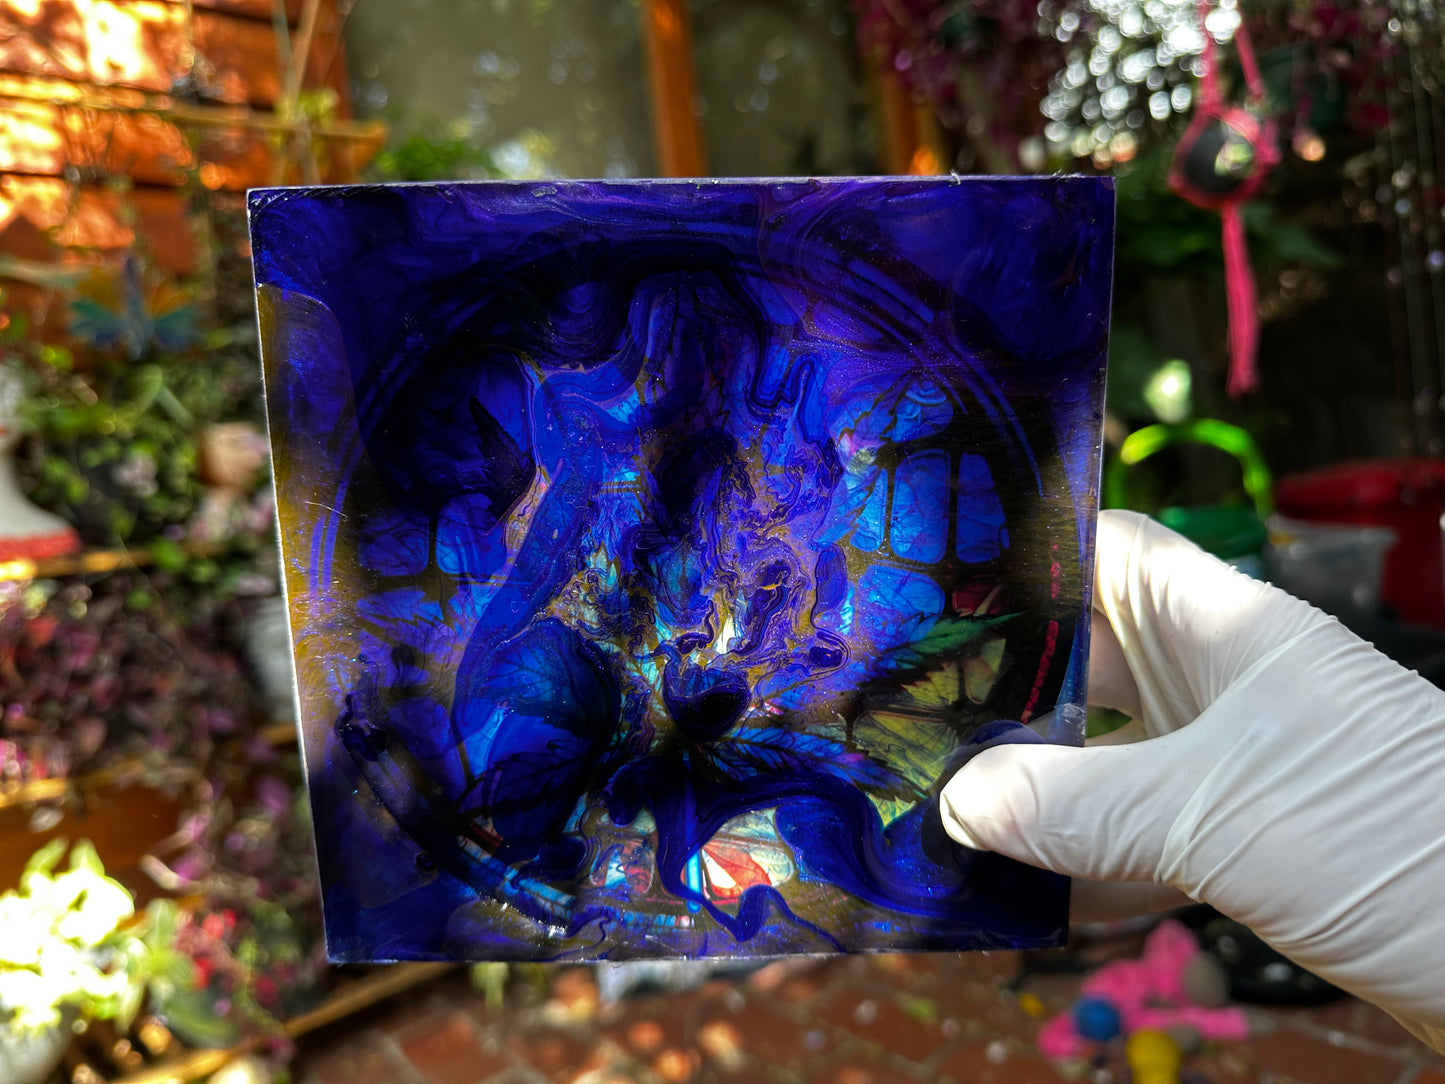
<point>71,952</point>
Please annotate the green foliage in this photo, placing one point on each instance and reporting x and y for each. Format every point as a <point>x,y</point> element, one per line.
<point>157,969</point>
<point>1104,721</point>
<point>491,980</point>
<point>111,422</point>
<point>252,970</point>
<point>192,1015</point>
<point>1132,360</point>
<point>1281,242</point>
<point>145,666</point>
<point>1162,238</point>
<point>69,944</point>
<point>424,158</point>
<point>111,448</point>
<point>1159,230</point>
<point>1138,375</point>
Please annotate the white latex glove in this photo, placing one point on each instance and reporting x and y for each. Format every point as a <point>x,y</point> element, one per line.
<point>1292,777</point>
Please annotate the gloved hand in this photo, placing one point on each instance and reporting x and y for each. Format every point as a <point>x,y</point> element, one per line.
<point>1291,776</point>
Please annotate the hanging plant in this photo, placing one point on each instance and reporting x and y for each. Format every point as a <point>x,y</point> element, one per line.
<point>981,65</point>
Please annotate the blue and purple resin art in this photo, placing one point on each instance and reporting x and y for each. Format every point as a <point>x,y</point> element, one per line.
<point>652,547</point>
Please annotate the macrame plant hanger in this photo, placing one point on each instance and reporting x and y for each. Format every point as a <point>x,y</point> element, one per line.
<point>1222,160</point>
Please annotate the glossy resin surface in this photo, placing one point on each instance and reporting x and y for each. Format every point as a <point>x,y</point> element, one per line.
<point>651,546</point>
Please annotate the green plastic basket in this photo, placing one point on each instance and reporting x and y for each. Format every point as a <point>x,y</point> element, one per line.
<point>1230,532</point>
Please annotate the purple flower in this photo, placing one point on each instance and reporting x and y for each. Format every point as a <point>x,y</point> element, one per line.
<point>273,795</point>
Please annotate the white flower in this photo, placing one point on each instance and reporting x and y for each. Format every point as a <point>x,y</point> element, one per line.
<point>50,937</point>
<point>103,905</point>
<point>22,929</point>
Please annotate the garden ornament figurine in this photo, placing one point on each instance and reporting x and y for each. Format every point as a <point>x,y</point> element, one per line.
<point>230,457</point>
<point>26,532</point>
<point>1172,986</point>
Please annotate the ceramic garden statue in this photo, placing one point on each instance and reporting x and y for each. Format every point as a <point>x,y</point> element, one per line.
<point>25,531</point>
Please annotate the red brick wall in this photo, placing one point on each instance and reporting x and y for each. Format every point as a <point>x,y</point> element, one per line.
<point>92,90</point>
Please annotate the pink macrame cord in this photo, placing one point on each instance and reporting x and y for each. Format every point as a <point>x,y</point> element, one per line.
<point>1238,275</point>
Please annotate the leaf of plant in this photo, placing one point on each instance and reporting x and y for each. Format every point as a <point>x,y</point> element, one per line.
<point>169,970</point>
<point>84,856</point>
<point>43,861</point>
<point>128,1005</point>
<point>148,380</point>
<point>1287,242</point>
<point>168,555</point>
<point>161,919</point>
<point>192,1015</point>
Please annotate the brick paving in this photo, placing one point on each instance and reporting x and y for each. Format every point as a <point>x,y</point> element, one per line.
<point>863,1020</point>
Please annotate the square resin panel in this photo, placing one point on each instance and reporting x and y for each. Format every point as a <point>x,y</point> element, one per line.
<point>651,546</point>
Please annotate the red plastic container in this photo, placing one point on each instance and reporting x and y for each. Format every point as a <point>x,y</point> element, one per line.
<point>1406,494</point>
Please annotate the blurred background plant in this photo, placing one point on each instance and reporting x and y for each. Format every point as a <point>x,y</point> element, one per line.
<point>65,951</point>
<point>114,415</point>
<point>422,157</point>
<point>981,66</point>
<point>141,667</point>
<point>256,941</point>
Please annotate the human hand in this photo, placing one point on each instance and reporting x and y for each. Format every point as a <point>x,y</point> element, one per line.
<point>1289,775</point>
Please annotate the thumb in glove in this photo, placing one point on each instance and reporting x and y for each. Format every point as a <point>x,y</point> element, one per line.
<point>1289,775</point>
